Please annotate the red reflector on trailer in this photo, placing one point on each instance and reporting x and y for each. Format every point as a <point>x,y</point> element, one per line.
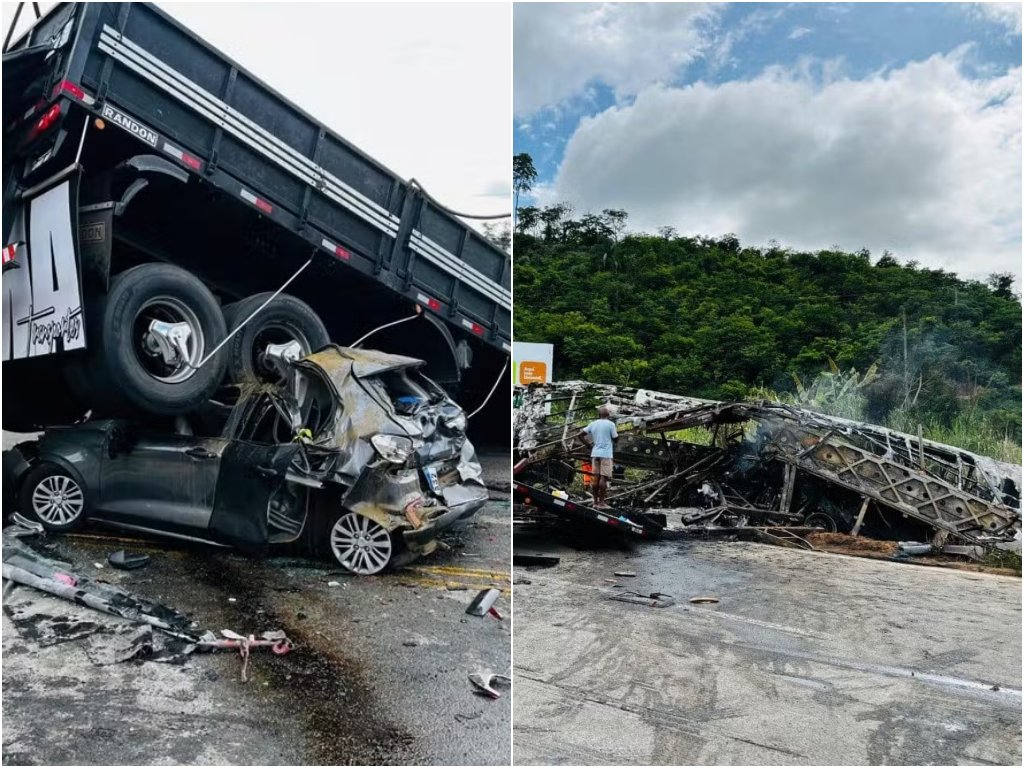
<point>260,203</point>
<point>10,252</point>
<point>612,521</point>
<point>429,302</point>
<point>183,157</point>
<point>336,249</point>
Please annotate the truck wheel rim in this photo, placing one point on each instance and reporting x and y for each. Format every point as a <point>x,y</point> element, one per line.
<point>360,544</point>
<point>274,333</point>
<point>58,500</point>
<point>171,310</point>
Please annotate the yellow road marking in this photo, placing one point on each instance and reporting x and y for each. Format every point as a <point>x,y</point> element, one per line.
<point>451,570</point>
<point>451,585</point>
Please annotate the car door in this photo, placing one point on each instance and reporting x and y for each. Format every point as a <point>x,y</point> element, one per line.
<point>160,480</point>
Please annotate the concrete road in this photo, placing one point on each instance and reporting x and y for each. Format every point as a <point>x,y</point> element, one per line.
<point>808,658</point>
<point>379,675</point>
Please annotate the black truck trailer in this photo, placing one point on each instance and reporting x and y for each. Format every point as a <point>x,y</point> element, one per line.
<point>157,195</point>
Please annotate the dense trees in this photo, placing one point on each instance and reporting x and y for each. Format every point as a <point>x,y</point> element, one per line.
<point>708,317</point>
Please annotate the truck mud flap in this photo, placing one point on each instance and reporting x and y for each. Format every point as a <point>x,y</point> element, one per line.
<point>42,282</point>
<point>250,474</point>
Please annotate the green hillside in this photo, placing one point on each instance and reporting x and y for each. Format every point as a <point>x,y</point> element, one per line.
<point>708,317</point>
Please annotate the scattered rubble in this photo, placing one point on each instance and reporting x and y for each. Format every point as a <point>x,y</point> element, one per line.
<point>149,630</point>
<point>778,472</point>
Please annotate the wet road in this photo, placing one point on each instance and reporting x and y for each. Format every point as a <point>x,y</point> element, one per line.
<point>808,658</point>
<point>379,675</point>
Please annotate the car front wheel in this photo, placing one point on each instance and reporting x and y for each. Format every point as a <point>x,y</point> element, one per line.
<point>54,497</point>
<point>361,545</point>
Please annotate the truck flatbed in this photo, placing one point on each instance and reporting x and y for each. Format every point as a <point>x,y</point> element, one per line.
<point>142,73</point>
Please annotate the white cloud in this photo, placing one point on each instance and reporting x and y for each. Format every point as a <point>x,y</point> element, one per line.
<point>1006,14</point>
<point>799,32</point>
<point>921,160</point>
<point>403,82</point>
<point>560,48</point>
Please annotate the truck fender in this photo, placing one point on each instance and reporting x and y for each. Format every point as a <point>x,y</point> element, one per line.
<point>95,222</point>
<point>153,164</point>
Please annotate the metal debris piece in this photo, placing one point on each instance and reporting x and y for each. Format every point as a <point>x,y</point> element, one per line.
<point>914,548</point>
<point>22,526</point>
<point>128,561</point>
<point>276,640</point>
<point>625,573</point>
<point>484,602</point>
<point>484,683</point>
<point>653,600</point>
<point>703,600</point>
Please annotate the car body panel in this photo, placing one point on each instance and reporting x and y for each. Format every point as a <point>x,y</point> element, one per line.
<point>316,428</point>
<point>160,477</point>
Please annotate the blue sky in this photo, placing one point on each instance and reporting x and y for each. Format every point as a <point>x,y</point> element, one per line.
<point>612,99</point>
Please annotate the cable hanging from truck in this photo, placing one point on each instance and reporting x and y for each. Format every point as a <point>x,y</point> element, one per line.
<point>419,187</point>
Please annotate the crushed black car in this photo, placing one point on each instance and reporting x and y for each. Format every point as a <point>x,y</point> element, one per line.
<point>352,452</point>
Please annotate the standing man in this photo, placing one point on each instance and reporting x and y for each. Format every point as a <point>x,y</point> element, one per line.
<point>602,434</point>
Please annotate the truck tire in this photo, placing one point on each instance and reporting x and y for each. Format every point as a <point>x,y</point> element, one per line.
<point>283,320</point>
<point>125,369</point>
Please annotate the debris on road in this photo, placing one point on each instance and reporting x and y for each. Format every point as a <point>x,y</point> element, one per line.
<point>127,561</point>
<point>760,468</point>
<point>653,600</point>
<point>483,603</point>
<point>176,636</point>
<point>276,640</point>
<point>626,574</point>
<point>703,600</point>
<point>484,683</point>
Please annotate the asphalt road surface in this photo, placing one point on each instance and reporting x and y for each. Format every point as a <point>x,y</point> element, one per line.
<point>379,674</point>
<point>807,658</point>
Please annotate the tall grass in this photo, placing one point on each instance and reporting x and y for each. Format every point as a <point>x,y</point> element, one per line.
<point>968,430</point>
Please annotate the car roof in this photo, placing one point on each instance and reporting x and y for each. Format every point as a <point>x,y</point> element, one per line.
<point>361,362</point>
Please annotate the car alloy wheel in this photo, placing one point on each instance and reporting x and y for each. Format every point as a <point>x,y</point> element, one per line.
<point>58,500</point>
<point>360,544</point>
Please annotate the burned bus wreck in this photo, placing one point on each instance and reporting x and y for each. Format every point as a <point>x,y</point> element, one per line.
<point>714,465</point>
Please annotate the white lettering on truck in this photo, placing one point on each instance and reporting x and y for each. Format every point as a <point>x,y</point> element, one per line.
<point>134,127</point>
<point>42,298</point>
